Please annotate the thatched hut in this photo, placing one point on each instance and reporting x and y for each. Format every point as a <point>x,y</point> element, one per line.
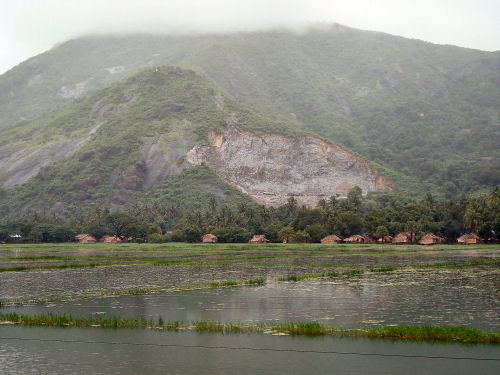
<point>259,238</point>
<point>385,239</point>
<point>470,239</point>
<point>331,239</point>
<point>368,239</point>
<point>402,238</point>
<point>431,239</point>
<point>110,239</point>
<point>209,238</point>
<point>85,238</point>
<point>354,239</point>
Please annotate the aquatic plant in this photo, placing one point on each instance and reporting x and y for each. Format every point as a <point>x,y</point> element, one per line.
<point>140,291</point>
<point>410,333</point>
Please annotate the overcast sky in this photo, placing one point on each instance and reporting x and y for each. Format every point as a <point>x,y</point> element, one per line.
<point>29,27</point>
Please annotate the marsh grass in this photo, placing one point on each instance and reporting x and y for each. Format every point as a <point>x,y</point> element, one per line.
<point>53,267</point>
<point>388,269</point>
<point>409,333</point>
<point>173,254</point>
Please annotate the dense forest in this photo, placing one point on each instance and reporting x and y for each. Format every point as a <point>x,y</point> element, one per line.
<point>377,215</point>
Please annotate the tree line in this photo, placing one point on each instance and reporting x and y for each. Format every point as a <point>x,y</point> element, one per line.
<point>377,215</point>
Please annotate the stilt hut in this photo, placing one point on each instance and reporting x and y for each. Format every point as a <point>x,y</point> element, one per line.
<point>259,238</point>
<point>209,238</point>
<point>331,239</point>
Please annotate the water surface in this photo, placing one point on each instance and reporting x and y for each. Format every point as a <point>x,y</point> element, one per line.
<point>98,351</point>
<point>426,297</point>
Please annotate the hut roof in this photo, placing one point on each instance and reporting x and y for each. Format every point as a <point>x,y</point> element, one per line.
<point>470,238</point>
<point>403,237</point>
<point>430,239</point>
<point>209,238</point>
<point>385,239</point>
<point>110,239</point>
<point>331,239</point>
<point>259,238</point>
<point>354,239</point>
<point>368,239</point>
<point>85,238</point>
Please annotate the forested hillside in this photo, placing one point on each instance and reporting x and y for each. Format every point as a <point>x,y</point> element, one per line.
<point>426,115</point>
<point>126,145</point>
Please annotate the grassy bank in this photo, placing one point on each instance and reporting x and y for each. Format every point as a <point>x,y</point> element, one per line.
<point>409,333</point>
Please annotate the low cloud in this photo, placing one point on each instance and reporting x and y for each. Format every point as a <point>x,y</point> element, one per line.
<point>29,27</point>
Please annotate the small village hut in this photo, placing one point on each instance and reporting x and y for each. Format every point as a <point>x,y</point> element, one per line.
<point>85,238</point>
<point>209,238</point>
<point>110,239</point>
<point>402,238</point>
<point>259,238</point>
<point>431,239</point>
<point>354,239</point>
<point>385,239</point>
<point>470,239</point>
<point>368,239</point>
<point>331,239</point>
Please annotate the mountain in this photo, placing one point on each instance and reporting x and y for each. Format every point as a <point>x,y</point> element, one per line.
<point>424,115</point>
<point>165,134</point>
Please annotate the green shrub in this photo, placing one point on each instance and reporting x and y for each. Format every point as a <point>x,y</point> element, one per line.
<point>157,238</point>
<point>233,234</point>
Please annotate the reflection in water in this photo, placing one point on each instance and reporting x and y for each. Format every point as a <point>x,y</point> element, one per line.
<point>410,297</point>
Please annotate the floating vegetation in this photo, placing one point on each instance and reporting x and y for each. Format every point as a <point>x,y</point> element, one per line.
<point>54,272</point>
<point>384,269</point>
<point>53,266</point>
<point>324,275</point>
<point>410,333</point>
<point>225,261</point>
<point>141,291</point>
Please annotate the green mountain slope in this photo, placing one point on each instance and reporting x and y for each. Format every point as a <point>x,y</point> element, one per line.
<point>428,114</point>
<point>126,144</point>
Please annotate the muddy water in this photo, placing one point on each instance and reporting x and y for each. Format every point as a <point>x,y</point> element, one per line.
<point>432,297</point>
<point>130,351</point>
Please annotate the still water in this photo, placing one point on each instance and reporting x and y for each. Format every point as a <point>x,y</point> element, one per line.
<point>103,351</point>
<point>409,297</point>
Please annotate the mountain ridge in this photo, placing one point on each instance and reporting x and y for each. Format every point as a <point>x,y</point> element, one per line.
<point>423,114</point>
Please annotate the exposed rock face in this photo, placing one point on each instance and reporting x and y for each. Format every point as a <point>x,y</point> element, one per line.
<point>18,167</point>
<point>163,158</point>
<point>272,168</point>
<point>73,92</point>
